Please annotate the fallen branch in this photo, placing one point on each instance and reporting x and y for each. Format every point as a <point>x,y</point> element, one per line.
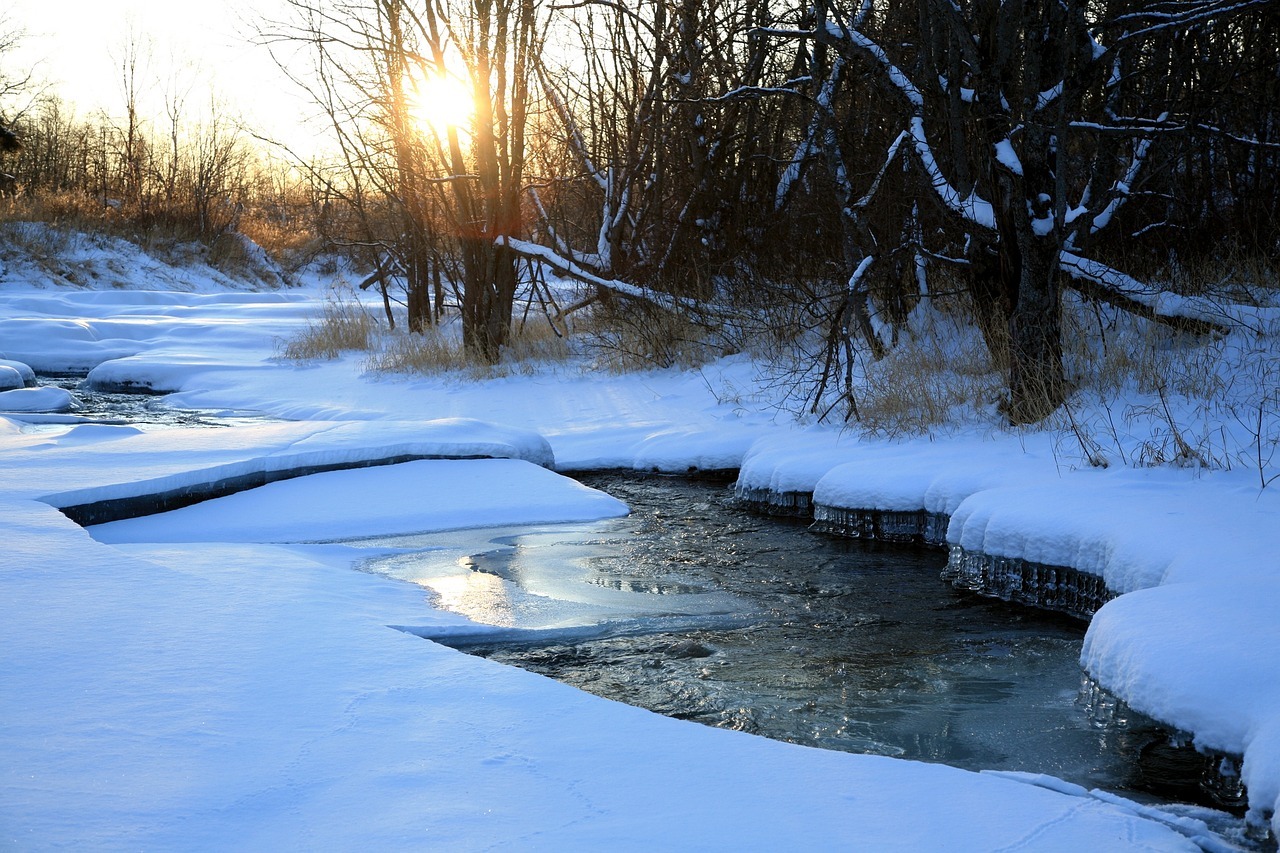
<point>1096,280</point>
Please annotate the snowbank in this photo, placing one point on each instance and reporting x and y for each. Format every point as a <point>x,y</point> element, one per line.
<point>1205,655</point>
<point>408,498</point>
<point>252,695</point>
<point>37,400</point>
<point>67,471</point>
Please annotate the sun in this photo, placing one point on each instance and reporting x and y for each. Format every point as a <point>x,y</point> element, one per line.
<point>441,102</point>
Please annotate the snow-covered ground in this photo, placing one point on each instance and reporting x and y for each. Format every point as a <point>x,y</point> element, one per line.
<point>204,681</point>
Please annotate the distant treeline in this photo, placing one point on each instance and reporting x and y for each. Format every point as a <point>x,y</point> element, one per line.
<point>806,170</point>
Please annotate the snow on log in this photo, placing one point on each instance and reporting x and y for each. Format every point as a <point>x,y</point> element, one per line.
<point>1107,284</point>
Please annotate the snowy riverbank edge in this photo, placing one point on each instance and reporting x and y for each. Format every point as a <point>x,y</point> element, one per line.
<point>1192,639</point>
<point>159,696</point>
<point>138,718</point>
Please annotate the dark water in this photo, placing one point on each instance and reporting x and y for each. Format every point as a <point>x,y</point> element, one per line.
<point>142,410</point>
<point>699,610</point>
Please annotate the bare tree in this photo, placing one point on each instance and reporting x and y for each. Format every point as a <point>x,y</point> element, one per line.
<point>460,195</point>
<point>1029,125</point>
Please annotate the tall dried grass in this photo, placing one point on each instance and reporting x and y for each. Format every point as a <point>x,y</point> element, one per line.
<point>938,374</point>
<point>174,235</point>
<point>343,326</point>
<point>1149,395</point>
<point>438,349</point>
<point>625,336</point>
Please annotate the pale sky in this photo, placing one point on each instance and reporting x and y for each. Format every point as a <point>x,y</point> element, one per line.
<point>78,45</point>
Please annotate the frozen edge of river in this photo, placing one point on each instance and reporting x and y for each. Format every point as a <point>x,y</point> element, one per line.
<point>1130,664</point>
<point>174,771</point>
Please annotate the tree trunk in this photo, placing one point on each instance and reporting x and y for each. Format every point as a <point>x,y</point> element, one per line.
<point>1037,385</point>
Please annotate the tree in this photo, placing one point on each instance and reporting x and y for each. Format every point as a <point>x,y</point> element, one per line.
<point>1028,124</point>
<point>455,191</point>
<point>11,85</point>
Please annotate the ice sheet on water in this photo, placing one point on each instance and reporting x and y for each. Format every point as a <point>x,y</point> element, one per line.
<point>533,579</point>
<point>465,637</point>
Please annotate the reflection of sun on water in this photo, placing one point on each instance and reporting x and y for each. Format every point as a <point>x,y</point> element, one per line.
<point>440,102</point>
<point>478,596</point>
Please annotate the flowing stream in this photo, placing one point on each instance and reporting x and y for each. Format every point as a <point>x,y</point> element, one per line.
<point>137,409</point>
<point>697,609</point>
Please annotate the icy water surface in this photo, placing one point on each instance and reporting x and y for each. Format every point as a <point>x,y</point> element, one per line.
<point>142,410</point>
<point>699,610</point>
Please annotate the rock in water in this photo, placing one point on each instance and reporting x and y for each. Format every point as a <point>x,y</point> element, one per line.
<point>47,399</point>
<point>24,371</point>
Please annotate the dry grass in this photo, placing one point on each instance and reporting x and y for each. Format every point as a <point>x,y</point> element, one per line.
<point>1147,395</point>
<point>628,336</point>
<point>1108,351</point>
<point>439,350</point>
<point>291,244</point>
<point>72,210</point>
<point>1231,273</point>
<point>343,326</point>
<point>939,373</point>
<point>170,235</point>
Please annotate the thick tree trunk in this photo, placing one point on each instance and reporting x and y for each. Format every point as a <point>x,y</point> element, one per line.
<point>488,299</point>
<point>419,286</point>
<point>1037,386</point>
<point>993,284</point>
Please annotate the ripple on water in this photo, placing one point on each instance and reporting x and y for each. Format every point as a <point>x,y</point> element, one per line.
<point>715,615</point>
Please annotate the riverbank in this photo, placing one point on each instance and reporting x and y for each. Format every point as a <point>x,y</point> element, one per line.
<point>158,700</point>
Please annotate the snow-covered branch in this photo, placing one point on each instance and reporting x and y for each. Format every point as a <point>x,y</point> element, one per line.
<point>564,266</point>
<point>808,146</point>
<point>1198,13</point>
<point>839,35</point>
<point>972,207</point>
<point>576,140</point>
<point>1107,284</point>
<point>889,157</point>
<point>745,93</point>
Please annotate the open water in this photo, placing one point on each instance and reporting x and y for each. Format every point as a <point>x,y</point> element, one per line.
<point>697,609</point>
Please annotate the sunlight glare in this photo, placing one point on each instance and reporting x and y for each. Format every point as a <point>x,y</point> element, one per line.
<point>441,102</point>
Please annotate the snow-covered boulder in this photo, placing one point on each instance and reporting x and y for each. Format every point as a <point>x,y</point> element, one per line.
<point>46,399</point>
<point>24,370</point>
<point>10,378</point>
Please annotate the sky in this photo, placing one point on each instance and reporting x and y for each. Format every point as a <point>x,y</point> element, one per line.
<point>77,45</point>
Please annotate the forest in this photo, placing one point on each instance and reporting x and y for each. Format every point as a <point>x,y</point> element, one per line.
<point>792,179</point>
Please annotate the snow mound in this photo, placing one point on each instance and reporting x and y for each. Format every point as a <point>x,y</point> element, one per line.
<point>1205,656</point>
<point>23,370</point>
<point>47,399</point>
<point>413,497</point>
<point>10,378</point>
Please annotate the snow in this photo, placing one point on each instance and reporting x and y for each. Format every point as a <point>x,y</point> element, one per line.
<point>201,680</point>
<point>37,400</point>
<point>972,207</point>
<point>1145,639</point>
<point>25,376</point>
<point>250,698</point>
<point>384,501</point>
<point>1007,156</point>
<point>9,378</point>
